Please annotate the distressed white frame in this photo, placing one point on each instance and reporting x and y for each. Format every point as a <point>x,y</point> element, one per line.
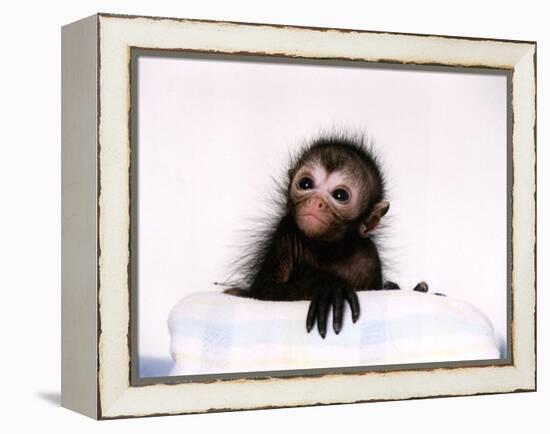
<point>115,397</point>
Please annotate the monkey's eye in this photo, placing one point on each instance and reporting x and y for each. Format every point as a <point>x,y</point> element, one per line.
<point>305,183</point>
<point>340,195</point>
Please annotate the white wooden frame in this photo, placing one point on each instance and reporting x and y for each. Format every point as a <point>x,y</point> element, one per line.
<point>96,378</point>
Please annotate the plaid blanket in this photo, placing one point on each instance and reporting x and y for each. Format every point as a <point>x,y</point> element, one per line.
<point>213,332</point>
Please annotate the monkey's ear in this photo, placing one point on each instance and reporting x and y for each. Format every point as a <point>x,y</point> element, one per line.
<point>379,210</point>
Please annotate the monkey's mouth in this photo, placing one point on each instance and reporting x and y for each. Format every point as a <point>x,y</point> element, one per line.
<point>305,215</point>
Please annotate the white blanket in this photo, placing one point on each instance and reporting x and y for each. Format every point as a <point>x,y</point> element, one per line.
<point>213,332</point>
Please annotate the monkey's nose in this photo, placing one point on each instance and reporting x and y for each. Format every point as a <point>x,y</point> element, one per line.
<point>316,203</point>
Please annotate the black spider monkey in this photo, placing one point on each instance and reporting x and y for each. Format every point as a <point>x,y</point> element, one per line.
<point>321,248</point>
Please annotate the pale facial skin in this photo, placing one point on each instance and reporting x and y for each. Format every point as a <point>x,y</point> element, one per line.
<point>324,201</point>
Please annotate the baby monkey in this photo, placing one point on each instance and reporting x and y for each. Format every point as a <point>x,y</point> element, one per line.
<point>321,247</point>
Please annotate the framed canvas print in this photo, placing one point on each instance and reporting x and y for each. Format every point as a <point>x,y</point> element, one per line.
<point>260,216</point>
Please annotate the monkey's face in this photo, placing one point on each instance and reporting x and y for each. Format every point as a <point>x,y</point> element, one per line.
<point>324,203</point>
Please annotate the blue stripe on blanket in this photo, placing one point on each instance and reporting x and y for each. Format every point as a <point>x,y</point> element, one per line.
<point>216,341</point>
<point>219,335</point>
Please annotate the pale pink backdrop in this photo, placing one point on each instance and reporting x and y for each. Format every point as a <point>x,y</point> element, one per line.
<point>212,135</point>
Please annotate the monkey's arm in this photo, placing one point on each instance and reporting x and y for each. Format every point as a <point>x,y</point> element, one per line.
<point>363,271</point>
<point>273,267</point>
<point>278,275</point>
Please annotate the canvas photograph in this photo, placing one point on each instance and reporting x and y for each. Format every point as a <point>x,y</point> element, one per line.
<point>261,216</point>
<point>295,216</point>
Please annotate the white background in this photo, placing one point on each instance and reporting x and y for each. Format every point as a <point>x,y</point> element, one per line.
<point>30,222</point>
<point>213,135</point>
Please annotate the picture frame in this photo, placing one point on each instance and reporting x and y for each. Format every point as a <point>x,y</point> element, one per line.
<point>99,225</point>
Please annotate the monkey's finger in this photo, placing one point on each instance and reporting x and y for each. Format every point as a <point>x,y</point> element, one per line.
<point>311,313</point>
<point>338,310</point>
<point>421,287</point>
<point>353,301</point>
<point>322,313</point>
<point>391,285</point>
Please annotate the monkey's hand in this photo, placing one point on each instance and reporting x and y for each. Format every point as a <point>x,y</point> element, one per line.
<point>326,294</point>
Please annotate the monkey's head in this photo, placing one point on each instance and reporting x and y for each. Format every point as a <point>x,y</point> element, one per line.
<point>336,189</point>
